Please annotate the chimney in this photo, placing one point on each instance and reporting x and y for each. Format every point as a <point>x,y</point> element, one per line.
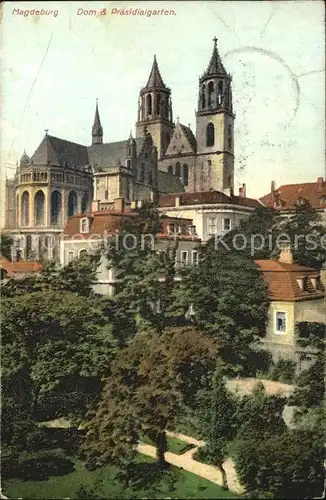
<point>95,205</point>
<point>273,187</point>
<point>286,256</point>
<point>119,204</point>
<point>320,184</point>
<point>242,191</point>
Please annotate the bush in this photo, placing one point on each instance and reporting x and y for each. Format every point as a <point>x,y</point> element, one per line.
<point>286,466</point>
<point>283,371</point>
<point>41,465</point>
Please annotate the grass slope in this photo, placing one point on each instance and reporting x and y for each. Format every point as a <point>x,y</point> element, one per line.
<point>107,485</point>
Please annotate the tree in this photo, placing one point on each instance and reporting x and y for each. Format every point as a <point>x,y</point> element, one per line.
<point>224,304</point>
<point>265,232</point>
<point>6,243</point>
<point>259,415</point>
<point>146,392</point>
<point>78,277</point>
<point>142,299</point>
<point>216,412</point>
<point>289,465</point>
<point>310,387</point>
<point>305,230</point>
<point>63,342</point>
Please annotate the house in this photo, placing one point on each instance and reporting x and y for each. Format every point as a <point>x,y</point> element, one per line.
<point>297,295</point>
<point>88,232</point>
<point>214,212</point>
<point>289,196</point>
<point>19,269</point>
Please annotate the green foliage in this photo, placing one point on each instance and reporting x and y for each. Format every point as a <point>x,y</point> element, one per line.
<point>146,392</point>
<point>310,386</point>
<point>77,277</point>
<point>303,230</point>
<point>259,415</point>
<point>139,266</point>
<point>225,306</point>
<point>283,371</point>
<point>289,465</point>
<point>6,242</point>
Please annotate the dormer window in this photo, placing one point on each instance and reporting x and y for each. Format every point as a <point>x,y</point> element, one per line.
<point>316,282</point>
<point>84,225</point>
<point>300,201</point>
<point>303,284</point>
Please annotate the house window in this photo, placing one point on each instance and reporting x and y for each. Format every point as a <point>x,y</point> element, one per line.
<point>212,225</point>
<point>280,322</point>
<point>184,257</point>
<point>84,225</point>
<point>70,256</point>
<point>185,175</point>
<point>195,257</point>
<point>156,306</point>
<point>226,224</point>
<point>192,229</point>
<point>210,135</point>
<point>172,228</point>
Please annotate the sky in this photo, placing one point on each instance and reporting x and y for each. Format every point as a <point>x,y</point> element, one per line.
<point>54,66</point>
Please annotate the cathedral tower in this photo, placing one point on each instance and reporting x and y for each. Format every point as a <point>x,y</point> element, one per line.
<point>155,111</point>
<point>97,130</point>
<point>215,128</point>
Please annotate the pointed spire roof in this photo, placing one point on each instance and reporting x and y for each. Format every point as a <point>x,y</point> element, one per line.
<point>97,127</point>
<point>25,159</point>
<point>215,65</point>
<point>155,79</point>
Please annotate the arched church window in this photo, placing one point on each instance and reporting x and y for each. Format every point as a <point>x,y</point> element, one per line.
<point>220,88</point>
<point>167,139</point>
<point>210,92</point>
<point>28,246</point>
<point>170,169</point>
<point>149,104</point>
<point>178,169</point>
<point>158,104</point>
<point>210,135</point>
<point>185,175</point>
<point>72,203</point>
<point>56,204</point>
<point>84,203</point>
<point>203,97</point>
<point>39,203</point>
<point>25,209</point>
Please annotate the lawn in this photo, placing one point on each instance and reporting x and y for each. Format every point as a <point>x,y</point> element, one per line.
<point>175,445</point>
<point>177,484</point>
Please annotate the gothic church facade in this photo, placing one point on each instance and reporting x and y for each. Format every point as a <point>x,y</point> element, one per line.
<point>63,178</point>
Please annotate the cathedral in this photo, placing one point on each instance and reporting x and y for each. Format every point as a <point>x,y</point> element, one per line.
<point>63,178</point>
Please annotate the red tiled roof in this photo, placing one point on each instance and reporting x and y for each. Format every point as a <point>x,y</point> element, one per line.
<point>285,197</point>
<point>20,267</point>
<point>207,197</point>
<point>281,279</point>
<point>109,222</point>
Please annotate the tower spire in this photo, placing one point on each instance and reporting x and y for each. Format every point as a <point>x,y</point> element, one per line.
<point>97,130</point>
<point>155,79</point>
<point>215,66</point>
